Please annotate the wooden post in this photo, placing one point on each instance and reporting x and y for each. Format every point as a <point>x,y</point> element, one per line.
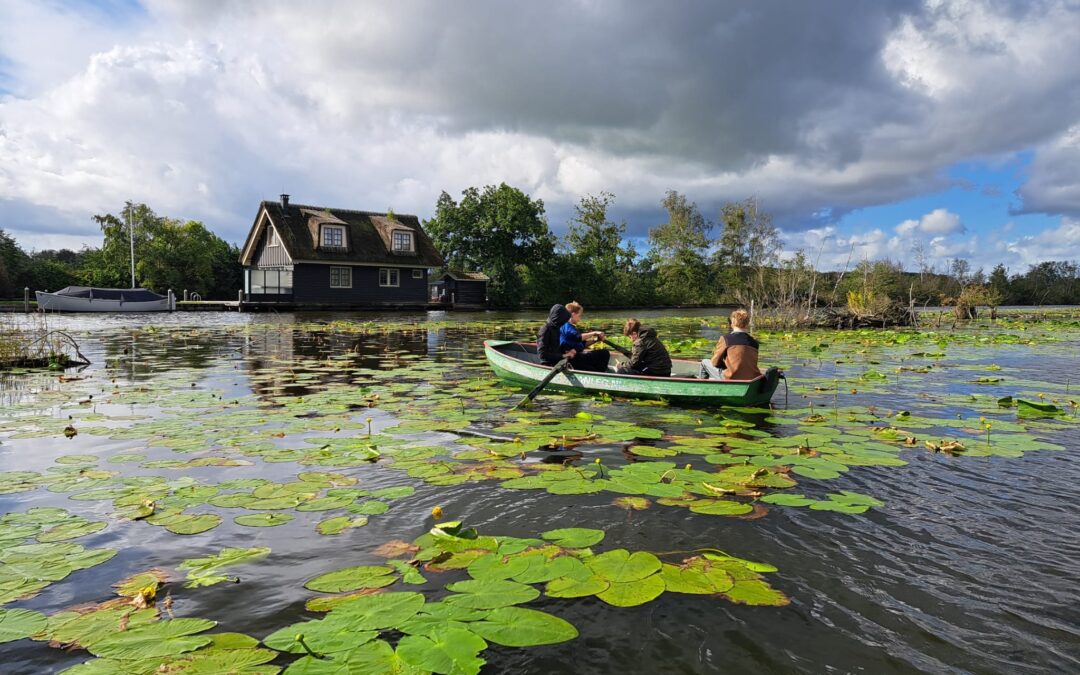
<point>172,300</point>
<point>185,295</point>
<point>26,299</point>
<point>240,300</point>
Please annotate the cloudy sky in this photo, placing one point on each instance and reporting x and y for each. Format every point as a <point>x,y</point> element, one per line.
<point>868,129</point>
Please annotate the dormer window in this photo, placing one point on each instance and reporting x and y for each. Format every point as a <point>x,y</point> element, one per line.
<point>402,241</point>
<point>333,236</point>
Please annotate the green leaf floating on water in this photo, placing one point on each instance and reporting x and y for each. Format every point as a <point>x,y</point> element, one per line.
<point>720,507</point>
<point>77,527</point>
<point>784,499</point>
<point>452,651</point>
<point>16,624</point>
<point>490,593</point>
<point>633,593</point>
<point>574,537</point>
<point>194,524</point>
<point>154,640</point>
<point>371,507</point>
<point>409,574</point>
<point>323,636</point>
<point>755,592</point>
<point>379,611</point>
<point>263,519</point>
<point>352,578</point>
<point>77,459</point>
<point>697,581</point>
<point>576,587</point>
<point>521,627</point>
<point>1032,409</point>
<point>204,571</point>
<point>620,566</point>
<point>376,656</point>
<point>337,525</point>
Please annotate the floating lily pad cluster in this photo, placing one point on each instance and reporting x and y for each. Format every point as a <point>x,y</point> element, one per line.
<point>450,634</point>
<point>34,551</point>
<point>217,425</point>
<point>129,635</point>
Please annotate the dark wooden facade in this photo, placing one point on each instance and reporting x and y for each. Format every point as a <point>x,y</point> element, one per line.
<point>461,289</point>
<point>320,257</point>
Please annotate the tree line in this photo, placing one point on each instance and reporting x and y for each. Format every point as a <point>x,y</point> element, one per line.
<point>501,231</point>
<point>169,254</point>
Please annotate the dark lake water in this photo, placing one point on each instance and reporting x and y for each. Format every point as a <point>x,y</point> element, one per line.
<point>971,565</point>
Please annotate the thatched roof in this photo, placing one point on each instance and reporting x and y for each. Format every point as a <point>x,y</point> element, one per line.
<point>367,235</point>
<point>466,276</point>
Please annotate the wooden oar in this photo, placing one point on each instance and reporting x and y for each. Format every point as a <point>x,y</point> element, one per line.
<point>555,370</point>
<point>616,347</point>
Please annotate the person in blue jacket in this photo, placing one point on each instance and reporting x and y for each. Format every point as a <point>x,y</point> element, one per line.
<point>570,338</point>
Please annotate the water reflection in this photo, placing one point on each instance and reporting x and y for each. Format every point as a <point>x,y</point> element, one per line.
<point>970,566</point>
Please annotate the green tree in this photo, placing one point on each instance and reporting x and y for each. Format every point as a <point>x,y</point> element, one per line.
<point>600,262</point>
<point>169,254</point>
<point>999,284</point>
<point>498,231</point>
<point>49,274</point>
<point>747,251</point>
<point>13,262</point>
<point>678,252</point>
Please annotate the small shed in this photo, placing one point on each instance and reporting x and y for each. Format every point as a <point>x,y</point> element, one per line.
<point>461,289</point>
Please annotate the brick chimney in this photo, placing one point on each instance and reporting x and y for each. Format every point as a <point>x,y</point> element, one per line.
<point>284,201</point>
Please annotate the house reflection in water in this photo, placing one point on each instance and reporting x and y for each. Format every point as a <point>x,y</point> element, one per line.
<point>291,361</point>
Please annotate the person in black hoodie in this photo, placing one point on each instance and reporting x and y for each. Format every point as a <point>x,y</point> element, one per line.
<point>649,356</point>
<point>547,340</point>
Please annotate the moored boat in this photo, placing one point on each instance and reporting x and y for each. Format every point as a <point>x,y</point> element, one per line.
<point>518,362</point>
<point>89,299</point>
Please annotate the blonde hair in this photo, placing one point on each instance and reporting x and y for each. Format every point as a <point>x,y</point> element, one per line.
<point>574,307</point>
<point>740,318</point>
<point>632,326</point>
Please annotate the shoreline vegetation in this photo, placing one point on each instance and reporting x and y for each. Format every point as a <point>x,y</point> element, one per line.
<point>740,260</point>
<point>36,346</point>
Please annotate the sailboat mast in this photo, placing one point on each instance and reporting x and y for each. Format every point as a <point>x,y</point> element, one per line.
<point>131,241</point>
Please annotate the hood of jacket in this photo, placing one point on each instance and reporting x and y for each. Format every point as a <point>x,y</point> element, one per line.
<point>647,334</point>
<point>558,315</point>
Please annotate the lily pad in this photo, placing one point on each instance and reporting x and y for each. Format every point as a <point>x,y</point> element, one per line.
<point>16,624</point>
<point>452,651</point>
<point>379,611</point>
<point>194,524</point>
<point>263,519</point>
<point>521,627</point>
<point>490,593</point>
<point>154,640</point>
<point>352,578</point>
<point>755,592</point>
<point>620,566</point>
<point>204,571</point>
<point>633,593</point>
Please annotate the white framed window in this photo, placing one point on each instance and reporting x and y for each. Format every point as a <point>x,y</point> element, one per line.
<point>333,236</point>
<point>418,274</point>
<point>274,241</point>
<point>340,277</point>
<point>402,241</point>
<point>389,277</point>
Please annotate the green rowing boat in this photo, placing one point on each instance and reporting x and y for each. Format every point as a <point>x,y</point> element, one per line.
<point>518,363</point>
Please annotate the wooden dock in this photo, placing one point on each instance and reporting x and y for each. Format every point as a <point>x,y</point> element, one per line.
<point>236,306</point>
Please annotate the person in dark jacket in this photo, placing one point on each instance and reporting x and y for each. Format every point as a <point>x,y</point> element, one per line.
<point>649,356</point>
<point>547,340</point>
<point>570,338</point>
